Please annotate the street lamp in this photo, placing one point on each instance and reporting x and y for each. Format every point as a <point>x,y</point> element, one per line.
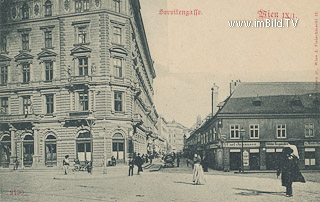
<point>90,122</point>
<point>242,133</point>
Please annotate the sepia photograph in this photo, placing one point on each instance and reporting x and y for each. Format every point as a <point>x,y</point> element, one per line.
<point>159,100</point>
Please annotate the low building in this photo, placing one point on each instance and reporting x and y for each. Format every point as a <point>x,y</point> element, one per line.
<point>258,119</point>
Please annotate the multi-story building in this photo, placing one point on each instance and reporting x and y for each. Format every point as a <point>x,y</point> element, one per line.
<point>257,120</point>
<point>176,132</point>
<point>76,78</point>
<point>163,134</point>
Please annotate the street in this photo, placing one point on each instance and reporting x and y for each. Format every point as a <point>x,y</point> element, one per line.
<point>169,184</point>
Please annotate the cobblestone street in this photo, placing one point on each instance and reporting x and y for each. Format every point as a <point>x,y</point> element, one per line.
<point>169,184</point>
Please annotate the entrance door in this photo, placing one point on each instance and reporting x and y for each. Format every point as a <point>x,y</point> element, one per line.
<point>28,150</point>
<point>235,160</point>
<point>272,160</point>
<point>84,146</point>
<point>51,150</point>
<point>254,161</point>
<point>118,150</point>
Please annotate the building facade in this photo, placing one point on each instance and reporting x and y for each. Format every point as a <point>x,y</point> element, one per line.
<point>76,78</point>
<point>176,132</point>
<point>258,120</point>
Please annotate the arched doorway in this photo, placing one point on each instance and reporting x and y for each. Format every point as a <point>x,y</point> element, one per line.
<point>28,150</point>
<point>51,150</point>
<point>118,147</point>
<point>84,146</point>
<point>5,151</point>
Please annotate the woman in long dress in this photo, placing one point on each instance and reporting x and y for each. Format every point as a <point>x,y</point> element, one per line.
<point>198,175</point>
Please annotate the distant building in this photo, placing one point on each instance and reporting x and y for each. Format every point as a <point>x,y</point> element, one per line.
<point>76,78</point>
<point>163,135</point>
<point>176,133</point>
<point>263,117</point>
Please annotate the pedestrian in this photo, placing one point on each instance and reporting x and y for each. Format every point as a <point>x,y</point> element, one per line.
<point>198,175</point>
<point>178,161</point>
<point>288,167</point>
<point>66,164</point>
<point>187,162</point>
<point>138,162</point>
<point>16,165</point>
<point>131,166</point>
<point>89,167</point>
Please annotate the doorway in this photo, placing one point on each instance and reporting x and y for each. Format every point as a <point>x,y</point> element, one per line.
<point>51,150</point>
<point>5,151</point>
<point>28,150</point>
<point>254,160</point>
<point>235,160</point>
<point>118,150</point>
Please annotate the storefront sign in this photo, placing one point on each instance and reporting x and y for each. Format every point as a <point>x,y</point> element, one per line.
<point>276,144</point>
<point>245,144</point>
<point>245,158</point>
<point>312,144</point>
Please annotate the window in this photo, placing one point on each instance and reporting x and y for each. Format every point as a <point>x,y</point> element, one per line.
<point>81,5</point>
<point>281,131</point>
<point>3,75</point>
<point>3,43</point>
<point>116,4</point>
<point>254,131</point>
<point>117,64</point>
<point>25,11</point>
<point>310,156</point>
<point>84,101</point>
<point>26,72</point>
<point>25,41</point>
<point>48,39</point>
<point>117,35</point>
<point>82,35</point>
<point>26,104</point>
<point>118,102</point>
<point>48,8</point>
<point>49,70</point>
<point>83,66</point>
<point>309,130</point>
<point>4,105</point>
<point>49,104</point>
<point>234,131</point>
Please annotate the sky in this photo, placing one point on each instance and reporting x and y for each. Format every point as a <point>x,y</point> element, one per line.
<point>191,53</point>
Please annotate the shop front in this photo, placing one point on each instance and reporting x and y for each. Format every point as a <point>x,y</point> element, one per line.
<point>312,154</point>
<point>273,154</point>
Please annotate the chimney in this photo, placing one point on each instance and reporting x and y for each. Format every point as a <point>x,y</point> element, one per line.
<point>233,85</point>
<point>214,98</point>
<point>198,120</point>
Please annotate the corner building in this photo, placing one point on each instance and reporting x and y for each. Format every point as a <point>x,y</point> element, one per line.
<point>76,78</point>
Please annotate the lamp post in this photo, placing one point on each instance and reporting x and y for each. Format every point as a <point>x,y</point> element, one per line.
<point>242,133</point>
<point>90,122</point>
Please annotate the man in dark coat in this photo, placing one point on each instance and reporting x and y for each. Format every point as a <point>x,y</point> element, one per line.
<point>139,163</point>
<point>288,166</point>
<point>131,165</point>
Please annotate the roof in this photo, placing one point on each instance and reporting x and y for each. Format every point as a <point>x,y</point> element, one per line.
<point>275,97</point>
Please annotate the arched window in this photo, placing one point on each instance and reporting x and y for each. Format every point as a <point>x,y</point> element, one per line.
<point>25,11</point>
<point>5,151</point>
<point>51,150</point>
<point>84,146</point>
<point>48,8</point>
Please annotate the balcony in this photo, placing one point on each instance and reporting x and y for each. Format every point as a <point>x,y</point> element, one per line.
<point>79,114</point>
<point>80,80</point>
<point>17,118</point>
<point>137,119</point>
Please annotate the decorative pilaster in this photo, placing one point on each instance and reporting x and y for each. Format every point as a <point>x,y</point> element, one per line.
<point>13,156</point>
<point>36,156</point>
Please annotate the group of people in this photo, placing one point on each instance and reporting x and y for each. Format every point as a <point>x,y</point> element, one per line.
<point>66,165</point>
<point>138,161</point>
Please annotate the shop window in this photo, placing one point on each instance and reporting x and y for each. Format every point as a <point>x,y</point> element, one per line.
<point>3,75</point>
<point>254,131</point>
<point>310,157</point>
<point>309,130</point>
<point>281,131</point>
<point>4,105</point>
<point>84,146</point>
<point>234,131</point>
